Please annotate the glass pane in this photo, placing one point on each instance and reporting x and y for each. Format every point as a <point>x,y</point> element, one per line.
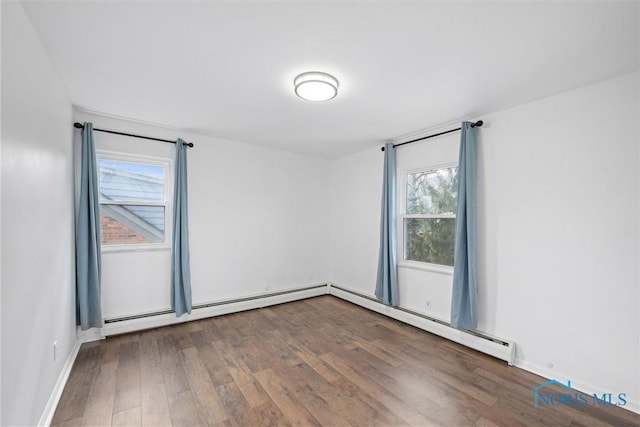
<point>430,240</point>
<point>432,192</point>
<point>124,181</point>
<point>131,224</point>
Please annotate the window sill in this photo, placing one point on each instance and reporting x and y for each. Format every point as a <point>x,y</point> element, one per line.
<point>423,266</point>
<point>128,248</point>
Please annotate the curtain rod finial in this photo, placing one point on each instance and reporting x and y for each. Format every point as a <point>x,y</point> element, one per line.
<point>381,148</point>
<point>78,125</point>
<point>478,124</point>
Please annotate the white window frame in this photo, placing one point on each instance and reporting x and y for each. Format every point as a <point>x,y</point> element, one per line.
<point>167,203</point>
<point>402,215</point>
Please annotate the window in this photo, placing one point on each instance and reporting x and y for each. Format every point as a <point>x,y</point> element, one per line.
<point>429,219</point>
<point>133,201</point>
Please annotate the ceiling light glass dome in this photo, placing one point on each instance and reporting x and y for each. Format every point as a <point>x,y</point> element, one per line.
<point>316,86</point>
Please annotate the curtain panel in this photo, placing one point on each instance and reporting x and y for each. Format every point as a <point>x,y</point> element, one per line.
<point>180,264</point>
<point>88,260</point>
<point>465,288</point>
<point>387,282</point>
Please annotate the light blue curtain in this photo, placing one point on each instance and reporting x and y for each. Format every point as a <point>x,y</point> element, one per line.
<point>387,282</point>
<point>88,309</point>
<point>180,265</point>
<point>465,288</point>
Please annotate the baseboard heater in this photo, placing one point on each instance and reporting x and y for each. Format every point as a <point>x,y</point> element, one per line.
<point>138,322</point>
<point>493,346</point>
<point>496,347</point>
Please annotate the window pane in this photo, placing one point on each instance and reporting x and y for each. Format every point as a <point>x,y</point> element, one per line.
<point>432,192</point>
<point>131,224</point>
<point>124,181</point>
<point>430,240</point>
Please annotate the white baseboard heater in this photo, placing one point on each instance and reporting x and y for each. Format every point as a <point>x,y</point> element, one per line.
<point>126,324</point>
<point>496,347</point>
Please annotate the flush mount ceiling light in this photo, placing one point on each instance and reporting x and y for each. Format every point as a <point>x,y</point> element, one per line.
<point>316,86</point>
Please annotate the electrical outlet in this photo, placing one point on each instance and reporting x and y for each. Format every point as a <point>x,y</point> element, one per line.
<point>428,304</point>
<point>267,285</point>
<point>55,350</point>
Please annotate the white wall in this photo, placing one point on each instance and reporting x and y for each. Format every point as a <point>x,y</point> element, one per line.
<point>37,223</point>
<point>257,219</point>
<point>0,231</point>
<point>558,228</point>
<point>356,186</point>
<point>558,234</point>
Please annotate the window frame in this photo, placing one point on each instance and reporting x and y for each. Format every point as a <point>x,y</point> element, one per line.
<point>402,215</point>
<point>167,201</point>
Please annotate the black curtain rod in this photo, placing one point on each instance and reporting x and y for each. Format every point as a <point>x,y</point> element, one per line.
<point>81,126</point>
<point>478,124</point>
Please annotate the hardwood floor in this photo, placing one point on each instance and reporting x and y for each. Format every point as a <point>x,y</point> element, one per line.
<point>321,361</point>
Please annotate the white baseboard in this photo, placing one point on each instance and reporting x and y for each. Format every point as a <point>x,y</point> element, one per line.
<point>132,325</point>
<point>215,309</point>
<point>493,346</point>
<point>477,343</point>
<point>93,334</point>
<point>632,405</point>
<point>52,404</point>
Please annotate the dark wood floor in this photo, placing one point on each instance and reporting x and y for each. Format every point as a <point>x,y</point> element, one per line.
<point>320,361</point>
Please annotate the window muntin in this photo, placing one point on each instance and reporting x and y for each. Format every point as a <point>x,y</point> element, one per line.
<point>429,221</point>
<point>133,201</point>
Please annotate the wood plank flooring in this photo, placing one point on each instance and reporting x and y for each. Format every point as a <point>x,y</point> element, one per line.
<point>317,362</point>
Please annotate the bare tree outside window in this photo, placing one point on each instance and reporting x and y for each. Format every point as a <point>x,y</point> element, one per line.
<point>430,220</point>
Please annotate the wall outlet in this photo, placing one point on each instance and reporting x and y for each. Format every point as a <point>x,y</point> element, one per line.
<point>55,350</point>
<point>267,285</point>
<point>428,304</point>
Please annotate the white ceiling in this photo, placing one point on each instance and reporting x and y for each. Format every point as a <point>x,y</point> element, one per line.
<point>227,69</point>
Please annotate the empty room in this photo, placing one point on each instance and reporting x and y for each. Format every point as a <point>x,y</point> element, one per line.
<point>261,213</point>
